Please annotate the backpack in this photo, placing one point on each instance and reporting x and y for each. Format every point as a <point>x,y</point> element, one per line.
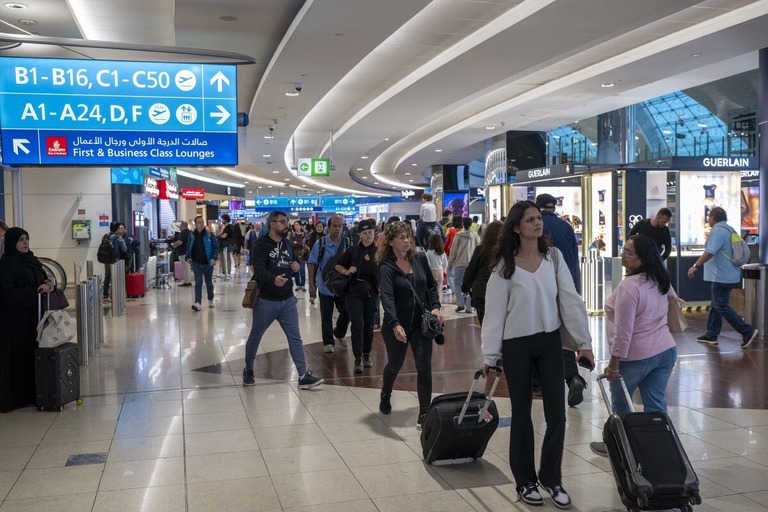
<point>108,250</point>
<point>739,250</point>
<point>330,276</point>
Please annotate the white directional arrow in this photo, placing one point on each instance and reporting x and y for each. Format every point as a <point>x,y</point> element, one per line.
<point>18,144</point>
<point>219,79</point>
<point>223,114</point>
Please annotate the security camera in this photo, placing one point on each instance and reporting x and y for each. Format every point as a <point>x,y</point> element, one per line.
<point>299,86</point>
<point>271,128</point>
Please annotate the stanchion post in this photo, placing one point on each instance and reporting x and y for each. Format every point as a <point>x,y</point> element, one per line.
<point>98,313</point>
<point>81,308</point>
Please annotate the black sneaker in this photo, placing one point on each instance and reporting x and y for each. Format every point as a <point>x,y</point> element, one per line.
<point>248,379</point>
<point>709,340</point>
<point>559,497</point>
<point>749,339</point>
<point>385,406</point>
<point>575,391</point>
<point>309,381</point>
<point>529,493</point>
<point>367,362</point>
<point>459,309</point>
<point>420,420</point>
<point>358,365</point>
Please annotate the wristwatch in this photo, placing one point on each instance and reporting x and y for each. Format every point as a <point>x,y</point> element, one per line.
<point>695,266</point>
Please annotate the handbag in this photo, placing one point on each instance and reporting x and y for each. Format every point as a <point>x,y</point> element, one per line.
<point>431,325</point>
<point>54,329</point>
<point>57,300</point>
<point>252,292</point>
<point>675,318</point>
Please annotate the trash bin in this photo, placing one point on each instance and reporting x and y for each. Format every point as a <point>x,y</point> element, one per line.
<point>755,279</point>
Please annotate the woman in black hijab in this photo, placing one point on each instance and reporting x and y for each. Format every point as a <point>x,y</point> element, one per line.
<point>22,278</point>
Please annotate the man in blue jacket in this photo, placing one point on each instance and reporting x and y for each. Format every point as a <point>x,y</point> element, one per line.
<point>561,235</point>
<point>202,253</point>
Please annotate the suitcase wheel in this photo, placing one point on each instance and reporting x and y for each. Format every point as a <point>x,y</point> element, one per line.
<point>61,408</point>
<point>79,401</point>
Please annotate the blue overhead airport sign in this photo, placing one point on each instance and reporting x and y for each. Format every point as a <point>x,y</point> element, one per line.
<point>114,113</point>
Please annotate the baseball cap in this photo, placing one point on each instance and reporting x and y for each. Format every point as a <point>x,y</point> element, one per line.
<point>366,224</point>
<point>546,201</point>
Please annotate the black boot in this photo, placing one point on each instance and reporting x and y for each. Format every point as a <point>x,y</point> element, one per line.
<point>385,406</point>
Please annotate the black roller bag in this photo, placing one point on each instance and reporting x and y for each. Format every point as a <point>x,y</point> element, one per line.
<point>57,376</point>
<point>459,425</point>
<point>649,462</point>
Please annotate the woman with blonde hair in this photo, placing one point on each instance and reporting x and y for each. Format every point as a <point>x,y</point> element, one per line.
<point>407,290</point>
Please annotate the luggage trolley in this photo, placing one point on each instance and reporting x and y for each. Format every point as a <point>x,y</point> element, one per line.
<point>163,264</point>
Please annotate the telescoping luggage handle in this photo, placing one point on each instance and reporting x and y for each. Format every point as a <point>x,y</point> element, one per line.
<point>40,304</point>
<point>606,398</point>
<point>497,375</point>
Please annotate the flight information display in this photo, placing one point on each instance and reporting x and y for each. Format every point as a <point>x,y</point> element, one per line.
<point>116,113</point>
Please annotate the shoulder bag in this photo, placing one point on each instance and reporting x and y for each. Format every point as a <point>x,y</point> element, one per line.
<point>252,292</point>
<point>431,325</point>
<point>675,318</point>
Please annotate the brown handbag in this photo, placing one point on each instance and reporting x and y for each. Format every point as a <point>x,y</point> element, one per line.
<point>252,292</point>
<point>57,300</point>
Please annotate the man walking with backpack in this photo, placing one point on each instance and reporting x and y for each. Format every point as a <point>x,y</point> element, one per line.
<point>724,272</point>
<point>322,259</point>
<point>117,248</point>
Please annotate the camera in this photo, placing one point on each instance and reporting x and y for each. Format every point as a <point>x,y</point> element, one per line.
<point>299,86</point>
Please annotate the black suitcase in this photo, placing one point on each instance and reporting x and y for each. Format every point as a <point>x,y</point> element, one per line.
<point>649,462</point>
<point>459,425</point>
<point>57,376</point>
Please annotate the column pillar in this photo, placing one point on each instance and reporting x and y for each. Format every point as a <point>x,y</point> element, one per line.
<point>762,123</point>
<point>616,136</point>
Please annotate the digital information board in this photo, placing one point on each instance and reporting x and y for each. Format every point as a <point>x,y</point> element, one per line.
<point>111,113</point>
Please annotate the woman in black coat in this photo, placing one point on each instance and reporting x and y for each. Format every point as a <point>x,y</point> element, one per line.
<point>404,275</point>
<point>479,269</point>
<point>22,279</point>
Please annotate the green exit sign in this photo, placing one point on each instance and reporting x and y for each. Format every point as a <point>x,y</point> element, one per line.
<point>320,167</point>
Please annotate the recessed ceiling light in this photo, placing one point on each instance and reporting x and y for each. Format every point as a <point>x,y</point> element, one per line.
<point>246,182</point>
<point>269,186</point>
<point>490,127</point>
<point>607,84</point>
<point>261,186</point>
<point>364,157</point>
<point>287,179</point>
<point>438,151</point>
<point>266,156</point>
<point>304,186</point>
<point>410,181</point>
<point>15,5</point>
<point>275,172</point>
<point>387,139</point>
<point>268,137</point>
<point>28,22</point>
<point>365,177</point>
<point>292,93</point>
<point>414,165</point>
<point>407,174</point>
<point>694,55</point>
<point>701,125</point>
<point>359,169</point>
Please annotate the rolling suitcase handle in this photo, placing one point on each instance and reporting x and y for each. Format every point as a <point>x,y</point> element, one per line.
<point>600,379</point>
<point>40,305</point>
<point>478,374</point>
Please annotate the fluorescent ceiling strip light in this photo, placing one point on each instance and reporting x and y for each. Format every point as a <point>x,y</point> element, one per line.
<point>208,179</point>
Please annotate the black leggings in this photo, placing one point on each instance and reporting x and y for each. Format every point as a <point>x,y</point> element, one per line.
<point>422,355</point>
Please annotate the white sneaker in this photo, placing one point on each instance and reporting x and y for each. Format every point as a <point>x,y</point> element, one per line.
<point>197,306</point>
<point>210,305</point>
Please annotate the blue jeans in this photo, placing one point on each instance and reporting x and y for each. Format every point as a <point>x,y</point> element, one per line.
<point>203,271</point>
<point>650,375</point>
<point>285,312</point>
<point>462,299</point>
<point>721,293</point>
<point>300,277</point>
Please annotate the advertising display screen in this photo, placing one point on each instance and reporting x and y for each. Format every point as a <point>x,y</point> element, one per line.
<point>457,203</point>
<point>699,193</point>
<point>117,113</point>
<point>750,210</point>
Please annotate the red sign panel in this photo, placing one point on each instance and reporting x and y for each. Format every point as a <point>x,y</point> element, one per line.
<point>168,189</point>
<point>193,193</point>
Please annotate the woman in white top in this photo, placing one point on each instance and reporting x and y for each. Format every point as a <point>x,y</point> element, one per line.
<point>522,326</point>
